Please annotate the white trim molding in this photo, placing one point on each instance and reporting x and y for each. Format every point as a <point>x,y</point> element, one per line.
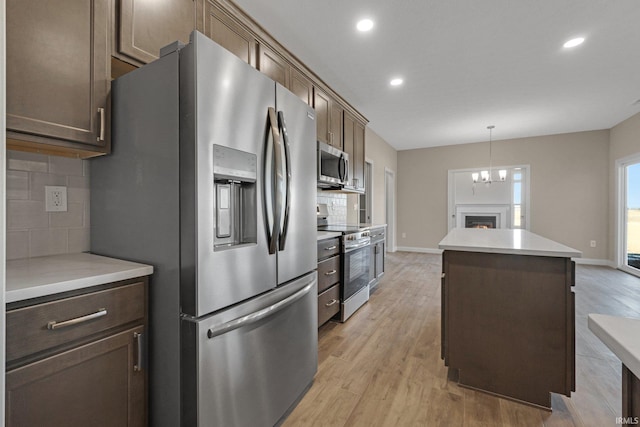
<point>420,250</point>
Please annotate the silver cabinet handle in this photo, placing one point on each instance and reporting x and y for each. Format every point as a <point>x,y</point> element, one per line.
<point>137,336</point>
<point>329,273</point>
<point>56,325</point>
<point>101,136</point>
<point>330,248</point>
<point>332,302</point>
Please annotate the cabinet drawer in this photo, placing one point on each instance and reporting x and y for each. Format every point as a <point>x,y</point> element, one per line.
<point>328,273</point>
<point>43,326</point>
<point>328,304</point>
<point>327,248</point>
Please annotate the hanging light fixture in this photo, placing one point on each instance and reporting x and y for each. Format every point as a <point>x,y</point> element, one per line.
<point>487,176</point>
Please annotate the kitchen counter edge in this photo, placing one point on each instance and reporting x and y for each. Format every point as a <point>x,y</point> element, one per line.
<point>43,276</point>
<point>505,241</point>
<point>620,335</point>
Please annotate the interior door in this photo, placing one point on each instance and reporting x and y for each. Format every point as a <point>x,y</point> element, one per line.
<point>297,253</point>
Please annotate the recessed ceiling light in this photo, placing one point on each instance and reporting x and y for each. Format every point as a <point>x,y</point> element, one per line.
<point>364,25</point>
<point>574,42</point>
<point>396,82</point>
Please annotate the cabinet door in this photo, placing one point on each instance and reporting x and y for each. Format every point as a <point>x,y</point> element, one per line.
<point>273,65</point>
<point>358,155</point>
<point>348,142</point>
<point>336,125</point>
<point>321,103</point>
<point>301,86</point>
<point>379,259</point>
<point>224,30</point>
<point>92,385</point>
<point>145,26</point>
<point>58,70</point>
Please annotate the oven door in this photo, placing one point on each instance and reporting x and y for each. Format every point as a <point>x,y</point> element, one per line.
<point>355,271</point>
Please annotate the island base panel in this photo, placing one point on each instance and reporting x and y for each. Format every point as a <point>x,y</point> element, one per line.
<point>630,394</point>
<point>508,324</point>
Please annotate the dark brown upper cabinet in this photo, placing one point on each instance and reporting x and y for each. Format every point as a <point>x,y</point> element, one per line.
<point>301,86</point>
<point>144,27</point>
<point>58,75</point>
<point>353,144</point>
<point>220,27</point>
<point>273,65</point>
<point>328,118</point>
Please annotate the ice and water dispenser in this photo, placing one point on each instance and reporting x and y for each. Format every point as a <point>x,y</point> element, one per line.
<point>235,204</point>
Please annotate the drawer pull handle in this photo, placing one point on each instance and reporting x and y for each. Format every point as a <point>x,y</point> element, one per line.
<point>329,273</point>
<point>330,248</point>
<point>332,302</point>
<point>56,325</point>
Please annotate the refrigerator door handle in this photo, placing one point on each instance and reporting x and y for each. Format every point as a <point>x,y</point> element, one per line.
<point>287,176</point>
<point>258,315</point>
<point>272,191</point>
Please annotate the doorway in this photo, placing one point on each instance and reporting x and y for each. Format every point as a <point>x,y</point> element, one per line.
<point>628,207</point>
<point>390,208</point>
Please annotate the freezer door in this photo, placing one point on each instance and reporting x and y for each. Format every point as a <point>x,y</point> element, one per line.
<point>297,243</point>
<point>248,365</point>
<point>224,133</point>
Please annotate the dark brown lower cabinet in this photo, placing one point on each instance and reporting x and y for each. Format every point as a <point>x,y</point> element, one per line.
<point>508,324</point>
<point>96,384</point>
<point>78,358</point>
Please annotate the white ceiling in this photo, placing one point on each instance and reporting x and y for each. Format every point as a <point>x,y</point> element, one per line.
<point>468,64</point>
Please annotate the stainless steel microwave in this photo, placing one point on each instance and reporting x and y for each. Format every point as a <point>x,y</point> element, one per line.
<point>333,166</point>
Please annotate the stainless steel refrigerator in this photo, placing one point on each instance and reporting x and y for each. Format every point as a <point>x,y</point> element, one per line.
<point>212,180</point>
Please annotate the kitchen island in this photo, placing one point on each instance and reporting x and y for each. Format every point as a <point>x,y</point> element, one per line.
<point>508,313</point>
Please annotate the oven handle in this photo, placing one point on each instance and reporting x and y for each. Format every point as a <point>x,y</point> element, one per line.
<point>258,315</point>
<point>357,246</point>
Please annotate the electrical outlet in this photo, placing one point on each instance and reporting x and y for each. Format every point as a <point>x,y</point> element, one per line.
<point>404,235</point>
<point>55,198</point>
<point>593,243</point>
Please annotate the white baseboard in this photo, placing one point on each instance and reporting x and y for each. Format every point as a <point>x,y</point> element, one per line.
<point>595,261</point>
<point>587,261</point>
<point>420,250</point>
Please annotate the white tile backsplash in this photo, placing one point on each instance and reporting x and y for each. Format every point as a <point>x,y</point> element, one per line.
<point>33,232</point>
<point>336,205</point>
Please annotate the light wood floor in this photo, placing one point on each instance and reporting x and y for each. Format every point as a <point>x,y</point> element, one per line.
<point>383,367</point>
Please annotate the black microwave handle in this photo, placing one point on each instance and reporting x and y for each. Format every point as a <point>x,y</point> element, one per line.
<point>343,166</point>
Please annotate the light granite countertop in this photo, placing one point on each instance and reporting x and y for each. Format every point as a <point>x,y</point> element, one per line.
<point>620,334</point>
<point>37,277</point>
<point>505,241</point>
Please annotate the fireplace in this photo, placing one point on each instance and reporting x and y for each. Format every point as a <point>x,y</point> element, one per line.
<point>482,216</point>
<point>480,221</point>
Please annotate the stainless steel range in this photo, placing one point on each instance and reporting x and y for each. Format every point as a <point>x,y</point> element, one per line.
<point>354,292</point>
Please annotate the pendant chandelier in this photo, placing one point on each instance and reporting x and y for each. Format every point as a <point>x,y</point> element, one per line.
<point>487,176</point>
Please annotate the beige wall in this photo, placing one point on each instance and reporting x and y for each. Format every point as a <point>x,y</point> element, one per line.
<point>569,188</point>
<point>383,156</point>
<point>624,141</point>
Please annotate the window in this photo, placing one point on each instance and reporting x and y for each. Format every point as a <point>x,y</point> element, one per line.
<point>628,214</point>
<point>632,216</point>
<point>518,214</point>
